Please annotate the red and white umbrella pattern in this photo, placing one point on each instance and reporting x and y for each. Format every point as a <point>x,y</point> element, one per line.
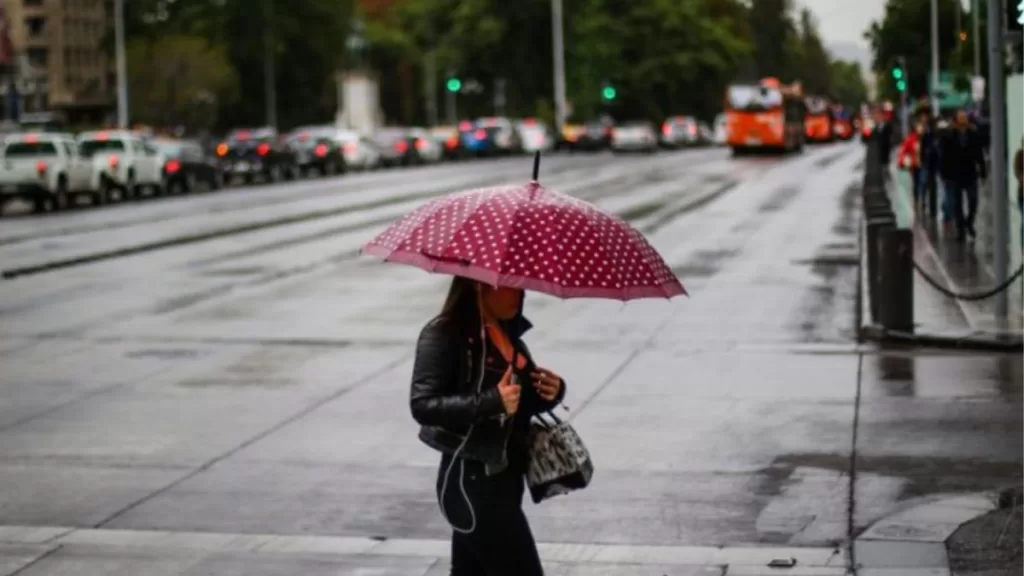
<point>532,238</point>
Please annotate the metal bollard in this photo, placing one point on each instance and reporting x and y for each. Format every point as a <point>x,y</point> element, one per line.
<point>896,279</point>
<point>874,227</point>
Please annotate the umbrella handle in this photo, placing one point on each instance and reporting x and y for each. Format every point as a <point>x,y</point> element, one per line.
<point>536,165</point>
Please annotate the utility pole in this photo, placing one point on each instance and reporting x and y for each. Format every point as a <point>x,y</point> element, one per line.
<point>976,38</point>
<point>449,101</point>
<point>430,73</point>
<point>997,173</point>
<point>934,82</point>
<point>269,82</point>
<point>559,56</point>
<point>122,66</point>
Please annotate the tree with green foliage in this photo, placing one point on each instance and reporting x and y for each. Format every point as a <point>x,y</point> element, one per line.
<point>814,61</point>
<point>176,80</point>
<point>847,83</point>
<point>904,30</point>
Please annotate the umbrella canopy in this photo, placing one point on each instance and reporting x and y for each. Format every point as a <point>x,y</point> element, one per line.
<point>532,238</point>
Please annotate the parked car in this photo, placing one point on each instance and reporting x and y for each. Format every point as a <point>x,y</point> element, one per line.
<point>634,137</point>
<point>477,141</point>
<point>679,131</point>
<point>504,134</point>
<point>187,166</point>
<point>396,147</point>
<point>257,152</point>
<point>428,149</point>
<point>361,153</point>
<point>45,170</point>
<point>317,151</point>
<point>594,137</point>
<point>535,136</point>
<point>451,141</point>
<point>569,137</point>
<point>122,162</point>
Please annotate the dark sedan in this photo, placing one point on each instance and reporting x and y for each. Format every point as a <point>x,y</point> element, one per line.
<point>397,147</point>
<point>187,166</point>
<point>594,137</point>
<point>257,152</point>
<point>318,150</point>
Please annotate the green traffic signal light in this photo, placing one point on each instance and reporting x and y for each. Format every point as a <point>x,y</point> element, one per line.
<point>454,84</point>
<point>897,73</point>
<point>608,92</point>
<point>901,86</point>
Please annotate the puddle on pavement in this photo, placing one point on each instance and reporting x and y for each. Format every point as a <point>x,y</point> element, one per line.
<point>828,160</point>
<point>963,377</point>
<point>642,211</point>
<point>704,263</point>
<point>245,271</point>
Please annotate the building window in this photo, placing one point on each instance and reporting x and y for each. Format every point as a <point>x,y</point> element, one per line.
<point>38,57</point>
<point>36,27</point>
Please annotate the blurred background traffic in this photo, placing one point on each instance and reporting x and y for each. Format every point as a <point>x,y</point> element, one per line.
<point>238,91</point>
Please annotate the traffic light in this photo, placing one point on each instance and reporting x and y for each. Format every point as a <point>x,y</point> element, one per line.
<point>1019,16</point>
<point>454,84</point>
<point>900,76</point>
<point>608,92</point>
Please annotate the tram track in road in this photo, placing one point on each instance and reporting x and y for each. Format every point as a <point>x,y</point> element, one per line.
<point>566,172</point>
<point>328,250</point>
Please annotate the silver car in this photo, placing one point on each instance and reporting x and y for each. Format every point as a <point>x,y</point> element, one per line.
<point>634,137</point>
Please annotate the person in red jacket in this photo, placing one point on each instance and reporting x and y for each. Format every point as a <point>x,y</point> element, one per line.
<point>909,158</point>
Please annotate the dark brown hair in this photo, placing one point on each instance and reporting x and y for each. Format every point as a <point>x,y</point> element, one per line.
<point>461,299</point>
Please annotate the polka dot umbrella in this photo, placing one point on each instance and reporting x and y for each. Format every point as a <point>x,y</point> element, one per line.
<point>532,238</point>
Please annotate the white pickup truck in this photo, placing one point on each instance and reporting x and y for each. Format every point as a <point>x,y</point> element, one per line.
<point>44,169</point>
<point>122,161</point>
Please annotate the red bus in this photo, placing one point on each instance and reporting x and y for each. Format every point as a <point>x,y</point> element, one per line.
<point>764,116</point>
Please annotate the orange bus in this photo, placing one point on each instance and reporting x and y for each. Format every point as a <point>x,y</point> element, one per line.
<point>764,116</point>
<point>818,121</point>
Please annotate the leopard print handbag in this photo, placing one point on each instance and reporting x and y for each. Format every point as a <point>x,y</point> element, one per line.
<point>558,461</point>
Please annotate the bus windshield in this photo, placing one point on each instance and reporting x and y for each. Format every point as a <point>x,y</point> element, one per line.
<point>816,106</point>
<point>753,98</point>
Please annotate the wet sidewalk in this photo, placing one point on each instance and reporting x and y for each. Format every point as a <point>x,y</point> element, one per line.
<point>963,268</point>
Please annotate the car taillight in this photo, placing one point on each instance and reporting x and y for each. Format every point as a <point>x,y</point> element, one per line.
<point>421,144</point>
<point>320,150</point>
<point>351,148</point>
<point>114,161</point>
<point>402,146</point>
<point>452,142</point>
<point>693,130</point>
<point>222,150</point>
<point>172,166</point>
<point>480,134</point>
<point>465,126</point>
<point>666,129</point>
<point>41,167</point>
<point>263,149</point>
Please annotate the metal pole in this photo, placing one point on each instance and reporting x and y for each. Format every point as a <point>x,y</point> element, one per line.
<point>122,66</point>
<point>976,38</point>
<point>269,83</point>
<point>449,101</point>
<point>933,84</point>
<point>430,71</point>
<point>499,97</point>
<point>559,56</point>
<point>997,173</point>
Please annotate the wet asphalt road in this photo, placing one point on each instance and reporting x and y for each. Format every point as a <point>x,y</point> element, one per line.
<point>243,371</point>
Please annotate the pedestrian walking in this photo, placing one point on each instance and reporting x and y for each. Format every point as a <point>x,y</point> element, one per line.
<point>928,174</point>
<point>909,159</point>
<point>470,363</point>
<point>962,166</point>
<point>476,392</point>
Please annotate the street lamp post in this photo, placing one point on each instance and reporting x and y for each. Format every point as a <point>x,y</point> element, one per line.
<point>122,66</point>
<point>934,83</point>
<point>559,56</point>
<point>998,146</point>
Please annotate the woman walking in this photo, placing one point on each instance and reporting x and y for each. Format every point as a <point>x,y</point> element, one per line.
<point>909,159</point>
<point>467,395</point>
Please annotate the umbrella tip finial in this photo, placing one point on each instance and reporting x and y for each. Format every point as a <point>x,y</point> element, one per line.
<point>536,165</point>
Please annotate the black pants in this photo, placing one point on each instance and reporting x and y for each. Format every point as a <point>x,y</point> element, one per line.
<point>501,543</point>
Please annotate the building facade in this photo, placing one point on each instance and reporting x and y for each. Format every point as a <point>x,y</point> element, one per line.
<point>61,64</point>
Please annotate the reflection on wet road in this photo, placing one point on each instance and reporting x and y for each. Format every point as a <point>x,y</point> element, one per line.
<point>255,380</point>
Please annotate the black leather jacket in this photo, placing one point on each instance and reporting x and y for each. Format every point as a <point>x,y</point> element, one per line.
<point>443,396</point>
